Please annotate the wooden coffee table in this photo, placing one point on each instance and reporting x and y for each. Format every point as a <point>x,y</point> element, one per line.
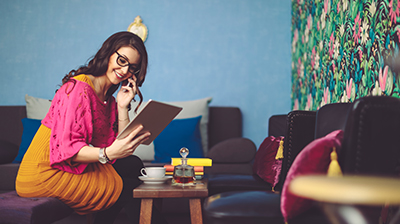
<point>149,192</point>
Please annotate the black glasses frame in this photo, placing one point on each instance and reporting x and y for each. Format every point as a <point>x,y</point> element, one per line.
<point>132,68</point>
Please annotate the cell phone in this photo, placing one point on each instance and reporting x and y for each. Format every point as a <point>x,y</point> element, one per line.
<point>128,85</point>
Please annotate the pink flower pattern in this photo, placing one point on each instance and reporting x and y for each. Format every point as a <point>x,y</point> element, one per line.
<point>357,28</point>
<point>313,57</point>
<point>326,4</point>
<point>383,78</point>
<point>349,85</point>
<point>331,45</point>
<point>394,4</point>
<point>326,94</point>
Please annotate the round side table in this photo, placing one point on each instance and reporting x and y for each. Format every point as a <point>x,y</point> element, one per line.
<point>341,197</point>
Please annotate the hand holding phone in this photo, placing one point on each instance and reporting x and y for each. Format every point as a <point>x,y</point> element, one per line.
<point>128,85</point>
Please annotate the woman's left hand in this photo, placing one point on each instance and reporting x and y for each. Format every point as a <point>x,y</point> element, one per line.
<point>127,93</point>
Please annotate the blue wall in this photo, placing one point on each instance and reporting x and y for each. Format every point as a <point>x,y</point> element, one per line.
<point>236,51</point>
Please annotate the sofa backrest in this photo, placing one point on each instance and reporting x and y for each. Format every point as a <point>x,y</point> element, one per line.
<point>224,123</point>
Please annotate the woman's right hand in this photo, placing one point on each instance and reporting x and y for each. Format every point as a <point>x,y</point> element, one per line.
<point>126,94</point>
<point>125,147</point>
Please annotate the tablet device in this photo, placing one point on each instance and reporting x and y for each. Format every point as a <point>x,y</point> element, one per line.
<point>155,116</point>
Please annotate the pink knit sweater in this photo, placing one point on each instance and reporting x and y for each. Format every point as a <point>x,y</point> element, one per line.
<point>78,118</point>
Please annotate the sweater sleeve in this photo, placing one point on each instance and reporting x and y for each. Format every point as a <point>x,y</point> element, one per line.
<point>70,120</point>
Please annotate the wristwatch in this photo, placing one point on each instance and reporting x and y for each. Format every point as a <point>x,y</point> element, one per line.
<point>102,156</point>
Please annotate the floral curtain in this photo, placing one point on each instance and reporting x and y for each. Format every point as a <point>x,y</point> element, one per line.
<point>343,50</point>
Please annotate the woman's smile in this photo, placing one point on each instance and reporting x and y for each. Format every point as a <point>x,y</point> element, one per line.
<point>118,75</point>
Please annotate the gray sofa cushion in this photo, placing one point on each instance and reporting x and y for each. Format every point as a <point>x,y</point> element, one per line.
<point>15,209</point>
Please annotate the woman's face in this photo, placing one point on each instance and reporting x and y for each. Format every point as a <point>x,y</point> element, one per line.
<point>122,64</point>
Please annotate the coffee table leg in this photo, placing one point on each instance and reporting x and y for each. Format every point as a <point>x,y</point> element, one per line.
<point>146,210</point>
<point>195,211</point>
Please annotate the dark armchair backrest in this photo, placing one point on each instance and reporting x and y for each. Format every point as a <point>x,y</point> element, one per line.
<point>277,125</point>
<point>371,143</point>
<point>331,117</point>
<point>300,126</point>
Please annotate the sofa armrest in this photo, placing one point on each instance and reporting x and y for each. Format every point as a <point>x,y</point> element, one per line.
<point>8,173</point>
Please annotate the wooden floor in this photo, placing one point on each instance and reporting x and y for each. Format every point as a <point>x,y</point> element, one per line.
<point>175,211</point>
<point>122,219</point>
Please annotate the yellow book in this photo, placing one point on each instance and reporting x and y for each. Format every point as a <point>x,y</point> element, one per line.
<point>195,173</point>
<point>192,161</point>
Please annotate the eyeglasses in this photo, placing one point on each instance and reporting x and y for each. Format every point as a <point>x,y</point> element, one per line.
<point>122,61</point>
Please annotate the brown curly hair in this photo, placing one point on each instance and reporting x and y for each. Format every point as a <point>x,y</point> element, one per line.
<point>98,65</point>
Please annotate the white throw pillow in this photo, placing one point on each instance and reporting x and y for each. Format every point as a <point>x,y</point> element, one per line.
<point>36,108</point>
<point>193,108</point>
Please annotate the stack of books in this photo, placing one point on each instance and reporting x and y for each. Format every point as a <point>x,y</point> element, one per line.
<point>197,163</point>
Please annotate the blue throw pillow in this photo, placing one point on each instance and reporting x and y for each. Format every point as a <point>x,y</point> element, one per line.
<point>179,133</point>
<point>30,128</point>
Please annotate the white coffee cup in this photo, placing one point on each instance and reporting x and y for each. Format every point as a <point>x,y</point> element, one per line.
<point>153,172</point>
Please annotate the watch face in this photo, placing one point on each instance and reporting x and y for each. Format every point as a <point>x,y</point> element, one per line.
<point>102,157</point>
<point>102,160</point>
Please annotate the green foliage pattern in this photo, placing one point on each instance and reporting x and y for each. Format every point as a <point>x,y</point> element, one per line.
<point>343,50</point>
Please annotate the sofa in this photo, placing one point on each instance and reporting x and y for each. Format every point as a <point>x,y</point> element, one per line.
<point>236,194</point>
<point>224,123</point>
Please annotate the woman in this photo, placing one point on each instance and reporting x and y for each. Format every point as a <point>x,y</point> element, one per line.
<point>75,155</point>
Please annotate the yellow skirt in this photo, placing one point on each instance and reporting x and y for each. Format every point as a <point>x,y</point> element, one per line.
<point>97,188</point>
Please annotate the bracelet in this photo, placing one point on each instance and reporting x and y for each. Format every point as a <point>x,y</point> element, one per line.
<point>105,154</point>
<point>123,119</point>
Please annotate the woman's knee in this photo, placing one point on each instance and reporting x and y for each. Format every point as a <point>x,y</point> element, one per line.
<point>129,166</point>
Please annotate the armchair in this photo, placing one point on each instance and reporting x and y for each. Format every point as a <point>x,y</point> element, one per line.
<point>370,146</point>
<point>262,206</point>
<point>371,141</point>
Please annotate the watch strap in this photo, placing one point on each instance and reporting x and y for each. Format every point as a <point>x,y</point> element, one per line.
<point>102,157</point>
<point>105,154</point>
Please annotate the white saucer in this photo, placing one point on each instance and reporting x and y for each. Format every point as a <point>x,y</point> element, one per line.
<point>149,180</point>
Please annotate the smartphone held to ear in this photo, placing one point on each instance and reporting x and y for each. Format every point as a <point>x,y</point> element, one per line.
<point>128,85</point>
